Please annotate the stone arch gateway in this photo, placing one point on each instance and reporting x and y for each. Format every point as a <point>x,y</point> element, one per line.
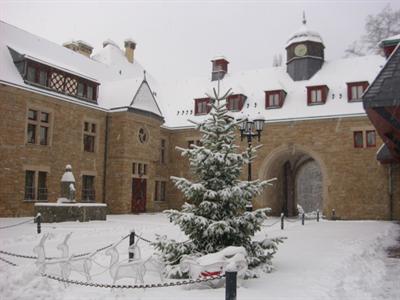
<point>301,179</point>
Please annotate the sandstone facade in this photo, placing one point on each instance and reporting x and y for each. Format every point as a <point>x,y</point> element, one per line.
<point>353,182</point>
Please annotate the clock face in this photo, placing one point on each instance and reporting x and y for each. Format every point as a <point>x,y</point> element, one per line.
<point>300,50</point>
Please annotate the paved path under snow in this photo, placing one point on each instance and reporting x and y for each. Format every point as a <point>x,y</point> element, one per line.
<point>325,260</point>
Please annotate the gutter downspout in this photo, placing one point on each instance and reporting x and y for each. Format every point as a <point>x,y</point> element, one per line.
<point>390,190</point>
<point>105,160</point>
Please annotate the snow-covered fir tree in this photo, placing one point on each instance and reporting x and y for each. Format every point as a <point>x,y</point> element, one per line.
<point>215,215</point>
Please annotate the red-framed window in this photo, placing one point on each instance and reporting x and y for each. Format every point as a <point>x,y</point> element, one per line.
<point>37,73</point>
<point>202,106</point>
<point>235,102</point>
<point>358,138</point>
<point>317,94</point>
<point>370,137</point>
<point>355,90</point>
<point>274,99</point>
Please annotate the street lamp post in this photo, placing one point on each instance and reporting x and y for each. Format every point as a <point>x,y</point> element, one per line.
<point>251,129</point>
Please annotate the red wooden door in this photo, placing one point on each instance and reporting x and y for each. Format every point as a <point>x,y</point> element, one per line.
<point>138,195</point>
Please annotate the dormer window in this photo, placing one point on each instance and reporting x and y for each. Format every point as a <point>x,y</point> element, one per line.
<point>235,102</point>
<point>355,90</point>
<point>202,106</point>
<point>317,94</point>
<point>274,99</point>
<point>40,74</point>
<point>62,82</point>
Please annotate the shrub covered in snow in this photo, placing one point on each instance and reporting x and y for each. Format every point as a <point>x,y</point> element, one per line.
<point>214,216</point>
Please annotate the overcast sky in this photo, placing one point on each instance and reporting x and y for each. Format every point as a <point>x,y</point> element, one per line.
<point>179,38</point>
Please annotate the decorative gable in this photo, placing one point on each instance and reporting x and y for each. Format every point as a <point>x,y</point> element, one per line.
<point>317,94</point>
<point>144,100</point>
<point>274,98</point>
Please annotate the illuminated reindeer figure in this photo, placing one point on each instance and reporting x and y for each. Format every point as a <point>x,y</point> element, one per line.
<point>151,264</point>
<point>133,269</point>
<point>81,264</point>
<point>41,254</point>
<point>43,264</point>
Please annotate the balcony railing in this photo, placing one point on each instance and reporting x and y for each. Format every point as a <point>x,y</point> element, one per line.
<point>42,194</point>
<point>88,195</point>
<point>29,193</point>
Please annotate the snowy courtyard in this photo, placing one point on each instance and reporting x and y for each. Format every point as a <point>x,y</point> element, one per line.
<point>320,260</point>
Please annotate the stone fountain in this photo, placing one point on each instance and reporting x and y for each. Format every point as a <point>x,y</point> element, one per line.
<point>67,208</point>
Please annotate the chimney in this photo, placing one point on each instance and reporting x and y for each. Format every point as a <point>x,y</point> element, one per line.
<point>389,44</point>
<point>130,46</point>
<point>80,47</point>
<point>219,68</point>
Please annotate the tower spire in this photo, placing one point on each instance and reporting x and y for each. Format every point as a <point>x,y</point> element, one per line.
<point>304,18</point>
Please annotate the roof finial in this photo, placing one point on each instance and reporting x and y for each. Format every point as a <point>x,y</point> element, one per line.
<point>304,18</point>
<point>144,75</point>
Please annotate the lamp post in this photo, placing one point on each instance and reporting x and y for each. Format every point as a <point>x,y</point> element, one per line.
<point>250,129</point>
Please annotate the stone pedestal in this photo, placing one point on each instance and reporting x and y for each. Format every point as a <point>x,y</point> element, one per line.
<point>62,212</point>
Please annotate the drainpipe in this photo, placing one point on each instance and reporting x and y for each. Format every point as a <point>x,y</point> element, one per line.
<point>390,190</point>
<point>105,160</point>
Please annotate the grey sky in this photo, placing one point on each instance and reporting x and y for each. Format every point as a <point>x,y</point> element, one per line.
<point>178,38</point>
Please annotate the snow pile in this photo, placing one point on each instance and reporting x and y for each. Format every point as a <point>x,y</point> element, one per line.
<point>25,284</point>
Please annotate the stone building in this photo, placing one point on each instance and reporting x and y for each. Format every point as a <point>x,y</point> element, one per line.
<point>102,114</point>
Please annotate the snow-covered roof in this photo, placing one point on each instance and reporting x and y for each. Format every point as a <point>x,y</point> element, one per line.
<point>119,79</point>
<point>304,34</point>
<point>219,57</point>
<point>121,82</point>
<point>177,98</point>
<point>391,39</point>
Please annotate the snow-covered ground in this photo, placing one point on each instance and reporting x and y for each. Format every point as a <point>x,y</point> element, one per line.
<point>325,260</point>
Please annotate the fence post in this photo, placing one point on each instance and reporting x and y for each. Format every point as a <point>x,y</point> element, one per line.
<point>230,285</point>
<point>317,215</point>
<point>39,223</point>
<point>333,214</point>
<point>282,221</point>
<point>131,243</point>
<point>302,219</point>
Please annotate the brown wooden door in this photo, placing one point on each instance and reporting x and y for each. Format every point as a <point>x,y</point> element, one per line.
<point>138,195</point>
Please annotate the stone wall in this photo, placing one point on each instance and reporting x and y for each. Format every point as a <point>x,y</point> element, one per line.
<point>125,149</point>
<point>65,147</point>
<point>354,183</point>
<point>71,212</point>
<point>396,191</point>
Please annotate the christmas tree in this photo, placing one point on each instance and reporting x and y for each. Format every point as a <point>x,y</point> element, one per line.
<point>214,216</point>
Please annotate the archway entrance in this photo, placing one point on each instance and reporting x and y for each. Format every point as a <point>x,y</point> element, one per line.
<point>300,181</point>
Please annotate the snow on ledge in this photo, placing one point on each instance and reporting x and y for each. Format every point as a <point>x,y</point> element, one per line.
<point>72,204</point>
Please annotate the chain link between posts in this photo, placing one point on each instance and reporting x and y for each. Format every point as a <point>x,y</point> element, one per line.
<point>123,286</point>
<point>135,286</point>
<point>18,224</point>
<point>50,258</point>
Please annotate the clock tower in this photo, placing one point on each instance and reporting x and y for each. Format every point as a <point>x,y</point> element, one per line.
<point>305,53</point>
